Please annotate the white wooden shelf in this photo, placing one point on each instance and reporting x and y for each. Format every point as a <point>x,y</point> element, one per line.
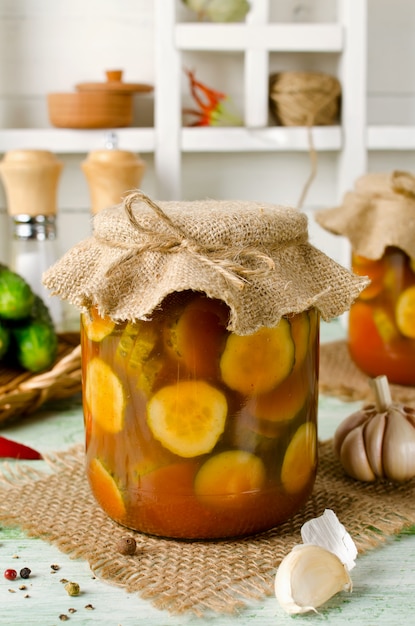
<point>269,37</point>
<point>391,138</point>
<point>68,141</point>
<point>272,139</point>
<point>219,139</point>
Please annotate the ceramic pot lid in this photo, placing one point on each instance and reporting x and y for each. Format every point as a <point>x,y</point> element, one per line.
<point>115,84</point>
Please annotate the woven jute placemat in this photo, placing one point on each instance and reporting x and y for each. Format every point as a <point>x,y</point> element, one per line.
<point>340,377</point>
<point>180,576</point>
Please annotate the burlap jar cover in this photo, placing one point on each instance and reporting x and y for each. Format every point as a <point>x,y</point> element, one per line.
<point>255,257</point>
<point>378,213</point>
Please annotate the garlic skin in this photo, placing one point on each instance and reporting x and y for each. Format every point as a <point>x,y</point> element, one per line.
<point>309,576</point>
<point>374,444</point>
<point>316,570</point>
<point>327,532</point>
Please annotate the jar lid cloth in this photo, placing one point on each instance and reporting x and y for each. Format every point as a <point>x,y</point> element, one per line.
<point>378,213</point>
<point>254,256</point>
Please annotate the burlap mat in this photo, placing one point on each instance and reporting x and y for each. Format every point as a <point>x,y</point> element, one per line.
<point>198,577</point>
<point>340,377</point>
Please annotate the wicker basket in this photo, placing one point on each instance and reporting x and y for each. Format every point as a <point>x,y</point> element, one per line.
<point>304,98</point>
<point>21,392</point>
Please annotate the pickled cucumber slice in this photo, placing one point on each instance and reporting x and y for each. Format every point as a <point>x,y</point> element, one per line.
<point>405,312</point>
<point>228,477</point>
<point>300,332</point>
<point>255,364</point>
<point>144,343</point>
<point>126,341</point>
<point>385,325</point>
<point>95,326</point>
<point>300,459</point>
<point>187,418</point>
<point>104,395</point>
<point>106,490</point>
<point>284,402</point>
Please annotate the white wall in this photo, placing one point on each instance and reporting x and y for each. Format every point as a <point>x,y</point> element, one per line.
<point>48,46</point>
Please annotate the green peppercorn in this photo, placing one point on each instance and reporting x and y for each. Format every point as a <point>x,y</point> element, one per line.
<point>72,589</point>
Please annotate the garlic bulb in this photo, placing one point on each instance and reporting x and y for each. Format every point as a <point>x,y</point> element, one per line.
<point>219,10</point>
<point>378,441</point>
<point>316,570</point>
<point>309,576</point>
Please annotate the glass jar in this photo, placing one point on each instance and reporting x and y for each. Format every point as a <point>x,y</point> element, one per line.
<point>193,431</point>
<point>381,334</point>
<point>200,340</point>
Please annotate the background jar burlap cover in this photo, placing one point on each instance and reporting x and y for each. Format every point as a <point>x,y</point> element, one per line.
<point>257,260</point>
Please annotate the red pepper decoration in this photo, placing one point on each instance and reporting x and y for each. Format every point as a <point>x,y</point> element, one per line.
<point>14,450</point>
<point>211,111</point>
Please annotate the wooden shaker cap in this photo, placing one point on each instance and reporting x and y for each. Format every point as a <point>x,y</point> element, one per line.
<point>30,179</point>
<point>111,174</point>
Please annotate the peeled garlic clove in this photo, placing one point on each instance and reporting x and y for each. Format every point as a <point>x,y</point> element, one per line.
<point>399,448</point>
<point>353,456</point>
<point>373,437</point>
<point>309,576</point>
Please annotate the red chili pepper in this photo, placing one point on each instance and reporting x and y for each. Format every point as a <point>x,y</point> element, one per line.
<point>210,102</point>
<point>14,450</point>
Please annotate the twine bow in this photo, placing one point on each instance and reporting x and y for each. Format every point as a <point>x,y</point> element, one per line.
<point>234,264</point>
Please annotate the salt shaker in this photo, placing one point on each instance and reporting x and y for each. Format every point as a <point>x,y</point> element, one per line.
<point>30,179</point>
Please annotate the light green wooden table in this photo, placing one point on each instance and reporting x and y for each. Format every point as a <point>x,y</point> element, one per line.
<point>384,579</point>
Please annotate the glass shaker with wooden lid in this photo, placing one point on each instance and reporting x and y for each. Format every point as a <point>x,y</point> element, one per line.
<point>200,331</point>
<point>378,217</point>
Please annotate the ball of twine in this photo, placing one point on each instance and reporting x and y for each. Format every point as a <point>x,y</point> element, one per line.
<point>304,98</point>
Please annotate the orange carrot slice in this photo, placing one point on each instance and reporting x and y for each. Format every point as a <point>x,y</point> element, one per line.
<point>254,364</point>
<point>300,459</point>
<point>187,418</point>
<point>104,395</point>
<point>227,478</point>
<point>95,326</point>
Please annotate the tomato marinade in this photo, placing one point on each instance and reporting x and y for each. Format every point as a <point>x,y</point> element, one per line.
<point>193,431</point>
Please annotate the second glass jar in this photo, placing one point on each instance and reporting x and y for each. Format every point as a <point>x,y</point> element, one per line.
<point>382,320</point>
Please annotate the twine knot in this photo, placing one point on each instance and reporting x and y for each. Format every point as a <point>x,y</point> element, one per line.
<point>235,264</point>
